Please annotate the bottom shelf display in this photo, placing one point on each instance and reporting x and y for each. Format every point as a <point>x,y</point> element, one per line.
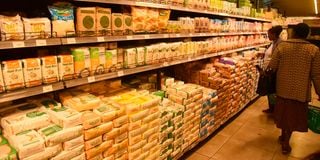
<point>130,120</point>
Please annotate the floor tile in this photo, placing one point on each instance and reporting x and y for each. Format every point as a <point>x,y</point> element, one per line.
<point>231,129</point>
<point>197,156</point>
<point>237,150</point>
<point>257,137</point>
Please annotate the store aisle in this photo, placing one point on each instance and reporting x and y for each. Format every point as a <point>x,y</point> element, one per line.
<point>253,136</point>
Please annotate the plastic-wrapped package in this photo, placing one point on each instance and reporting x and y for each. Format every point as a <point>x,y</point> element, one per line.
<point>32,72</point>
<point>11,28</point>
<point>13,74</point>
<point>62,19</point>
<point>50,69</point>
<point>163,18</point>
<point>66,67</point>
<point>152,20</point>
<point>138,19</point>
<point>35,28</point>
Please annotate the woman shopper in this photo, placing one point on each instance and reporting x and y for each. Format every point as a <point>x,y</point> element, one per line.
<point>274,36</point>
<point>297,64</point>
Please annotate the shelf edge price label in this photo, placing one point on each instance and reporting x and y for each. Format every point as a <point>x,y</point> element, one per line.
<point>47,88</point>
<point>71,40</point>
<point>205,56</point>
<point>165,64</point>
<point>146,36</point>
<point>177,35</point>
<point>100,39</point>
<point>91,79</point>
<point>189,59</point>
<point>165,36</point>
<point>120,73</point>
<point>41,42</point>
<point>18,44</point>
<point>129,37</point>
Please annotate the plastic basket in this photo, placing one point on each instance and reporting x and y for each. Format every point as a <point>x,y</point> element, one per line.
<point>314,119</point>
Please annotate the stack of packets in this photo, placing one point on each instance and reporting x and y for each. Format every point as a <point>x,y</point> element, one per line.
<point>7,152</point>
<point>94,125</point>
<point>171,136</point>
<point>190,97</point>
<point>44,129</point>
<point>207,123</point>
<point>114,116</point>
<point>143,113</point>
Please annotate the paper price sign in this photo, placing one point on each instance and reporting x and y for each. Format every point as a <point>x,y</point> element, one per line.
<point>46,89</point>
<point>91,79</point>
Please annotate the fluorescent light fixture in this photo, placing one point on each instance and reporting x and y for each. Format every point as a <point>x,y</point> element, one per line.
<point>316,6</point>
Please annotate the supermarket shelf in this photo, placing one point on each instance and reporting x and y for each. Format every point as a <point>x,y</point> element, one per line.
<point>28,92</point>
<point>125,72</point>
<point>29,43</point>
<point>204,138</point>
<point>83,40</point>
<point>154,5</point>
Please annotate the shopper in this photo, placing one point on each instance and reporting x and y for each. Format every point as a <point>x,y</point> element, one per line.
<point>274,36</point>
<point>297,63</point>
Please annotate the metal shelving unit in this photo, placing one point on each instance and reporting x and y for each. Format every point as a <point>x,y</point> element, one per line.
<point>99,39</point>
<point>28,92</point>
<point>125,72</point>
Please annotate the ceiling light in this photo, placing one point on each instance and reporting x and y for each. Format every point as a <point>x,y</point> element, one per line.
<point>316,6</point>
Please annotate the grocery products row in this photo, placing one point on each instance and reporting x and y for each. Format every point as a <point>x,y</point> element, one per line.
<point>215,7</point>
<point>108,120</point>
<point>206,25</point>
<point>98,21</point>
<point>85,61</point>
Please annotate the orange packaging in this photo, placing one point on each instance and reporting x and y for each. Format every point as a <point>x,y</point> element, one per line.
<point>32,72</point>
<point>49,69</point>
<point>66,68</point>
<point>13,74</point>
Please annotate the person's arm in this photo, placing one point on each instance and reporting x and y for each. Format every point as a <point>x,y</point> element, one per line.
<point>315,72</point>
<point>275,60</point>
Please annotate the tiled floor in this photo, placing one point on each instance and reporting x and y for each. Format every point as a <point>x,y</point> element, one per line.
<point>253,136</point>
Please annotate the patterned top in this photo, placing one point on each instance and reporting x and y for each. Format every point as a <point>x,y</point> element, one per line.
<point>297,63</point>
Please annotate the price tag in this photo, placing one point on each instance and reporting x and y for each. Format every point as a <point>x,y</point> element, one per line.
<point>189,59</point>
<point>47,88</point>
<point>165,64</point>
<point>166,36</point>
<point>41,42</point>
<point>120,73</point>
<point>100,39</point>
<point>146,36</point>
<point>71,40</point>
<point>177,35</point>
<point>91,79</point>
<point>205,56</point>
<point>191,35</point>
<point>18,44</point>
<point>129,37</point>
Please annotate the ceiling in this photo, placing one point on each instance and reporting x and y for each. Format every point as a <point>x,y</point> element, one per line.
<point>294,7</point>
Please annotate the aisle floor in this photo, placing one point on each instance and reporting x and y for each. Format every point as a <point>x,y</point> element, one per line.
<point>253,136</point>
